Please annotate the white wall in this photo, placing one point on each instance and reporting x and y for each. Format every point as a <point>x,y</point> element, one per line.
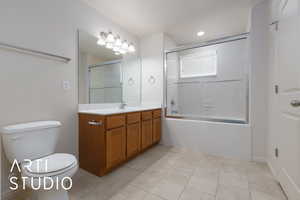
<point>259,80</point>
<point>31,87</point>
<point>152,65</point>
<point>132,80</point>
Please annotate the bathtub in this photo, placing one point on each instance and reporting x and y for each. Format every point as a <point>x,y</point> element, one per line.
<point>222,139</point>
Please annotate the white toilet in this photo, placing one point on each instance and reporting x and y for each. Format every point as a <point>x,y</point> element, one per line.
<point>36,141</point>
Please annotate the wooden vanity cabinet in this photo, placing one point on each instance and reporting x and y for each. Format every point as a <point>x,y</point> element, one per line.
<point>92,143</point>
<point>156,126</point>
<point>107,141</point>
<point>115,147</point>
<point>133,139</point>
<point>115,126</point>
<point>147,133</point>
<point>133,134</point>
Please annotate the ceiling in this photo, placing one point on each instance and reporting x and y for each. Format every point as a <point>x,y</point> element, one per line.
<point>180,19</point>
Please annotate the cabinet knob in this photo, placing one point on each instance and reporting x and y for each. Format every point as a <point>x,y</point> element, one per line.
<point>95,123</point>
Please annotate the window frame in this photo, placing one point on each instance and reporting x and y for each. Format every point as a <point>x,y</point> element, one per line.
<point>204,75</point>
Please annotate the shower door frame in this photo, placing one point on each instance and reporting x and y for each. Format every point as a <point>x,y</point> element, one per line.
<point>242,36</point>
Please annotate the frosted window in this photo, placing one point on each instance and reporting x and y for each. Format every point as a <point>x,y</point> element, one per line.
<point>198,64</point>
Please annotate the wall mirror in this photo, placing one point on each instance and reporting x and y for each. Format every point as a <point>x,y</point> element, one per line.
<point>106,76</point>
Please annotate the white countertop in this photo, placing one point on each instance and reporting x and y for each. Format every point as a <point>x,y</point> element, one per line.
<point>112,111</point>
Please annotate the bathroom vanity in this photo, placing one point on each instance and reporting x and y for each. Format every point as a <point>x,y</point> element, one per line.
<point>108,134</point>
<point>110,137</point>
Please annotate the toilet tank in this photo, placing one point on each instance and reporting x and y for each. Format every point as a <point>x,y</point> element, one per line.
<point>30,140</point>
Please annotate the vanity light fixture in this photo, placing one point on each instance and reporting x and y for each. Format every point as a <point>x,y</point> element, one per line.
<point>109,45</point>
<point>124,46</point>
<point>200,33</point>
<point>122,51</point>
<point>101,42</point>
<point>101,39</point>
<point>116,48</point>
<point>115,43</point>
<point>118,42</point>
<point>110,38</point>
<point>131,48</point>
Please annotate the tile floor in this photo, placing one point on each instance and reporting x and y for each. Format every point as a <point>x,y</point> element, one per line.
<point>164,173</point>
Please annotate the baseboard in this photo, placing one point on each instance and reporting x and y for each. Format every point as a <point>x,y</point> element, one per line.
<point>272,169</point>
<point>259,159</point>
<point>289,186</point>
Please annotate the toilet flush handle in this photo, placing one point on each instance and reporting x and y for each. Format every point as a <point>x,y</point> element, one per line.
<point>95,123</point>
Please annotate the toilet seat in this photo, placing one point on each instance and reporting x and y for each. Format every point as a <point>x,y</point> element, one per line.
<point>49,166</point>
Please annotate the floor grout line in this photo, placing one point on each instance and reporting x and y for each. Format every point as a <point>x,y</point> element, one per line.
<point>186,185</point>
<point>177,161</point>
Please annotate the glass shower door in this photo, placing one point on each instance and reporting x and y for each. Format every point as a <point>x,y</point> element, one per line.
<point>208,82</point>
<point>105,83</point>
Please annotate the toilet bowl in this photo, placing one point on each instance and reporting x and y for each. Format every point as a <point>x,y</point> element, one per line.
<point>32,145</point>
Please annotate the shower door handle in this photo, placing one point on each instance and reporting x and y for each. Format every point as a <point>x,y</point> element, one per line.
<point>295,103</point>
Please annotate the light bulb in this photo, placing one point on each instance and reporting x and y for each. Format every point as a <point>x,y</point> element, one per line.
<point>200,33</point>
<point>131,48</point>
<point>125,45</point>
<point>122,51</point>
<point>101,42</point>
<point>116,48</point>
<point>110,38</point>
<point>101,39</point>
<point>109,45</point>
<point>118,42</point>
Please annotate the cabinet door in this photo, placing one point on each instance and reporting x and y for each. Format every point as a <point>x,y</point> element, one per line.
<point>133,139</point>
<point>91,143</point>
<point>146,134</point>
<point>156,130</point>
<point>115,146</point>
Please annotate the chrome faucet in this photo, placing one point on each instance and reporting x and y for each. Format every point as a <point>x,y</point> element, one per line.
<point>122,105</point>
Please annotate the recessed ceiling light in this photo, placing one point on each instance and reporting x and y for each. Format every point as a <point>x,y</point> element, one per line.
<point>200,33</point>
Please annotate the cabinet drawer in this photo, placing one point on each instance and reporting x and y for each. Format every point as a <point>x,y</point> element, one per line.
<point>115,121</point>
<point>146,115</point>
<point>157,114</point>
<point>133,118</point>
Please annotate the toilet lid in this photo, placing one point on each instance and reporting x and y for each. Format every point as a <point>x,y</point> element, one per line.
<point>52,163</point>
